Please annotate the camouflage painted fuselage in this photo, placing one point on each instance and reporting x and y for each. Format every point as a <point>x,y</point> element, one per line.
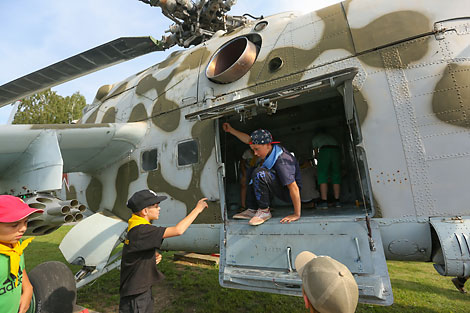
<point>412,94</point>
<point>409,63</point>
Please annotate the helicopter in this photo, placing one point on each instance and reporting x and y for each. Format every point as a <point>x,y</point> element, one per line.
<point>391,79</point>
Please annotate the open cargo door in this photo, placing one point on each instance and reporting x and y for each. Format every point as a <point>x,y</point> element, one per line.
<point>262,258</point>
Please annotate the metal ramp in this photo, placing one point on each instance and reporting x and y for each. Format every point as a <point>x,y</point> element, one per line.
<point>262,258</point>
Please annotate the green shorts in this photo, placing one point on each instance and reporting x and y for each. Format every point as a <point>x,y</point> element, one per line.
<point>329,165</point>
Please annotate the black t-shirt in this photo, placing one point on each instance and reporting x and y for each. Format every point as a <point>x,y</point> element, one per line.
<point>138,264</point>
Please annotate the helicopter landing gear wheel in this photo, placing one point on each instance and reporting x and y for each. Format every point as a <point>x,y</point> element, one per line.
<point>54,286</point>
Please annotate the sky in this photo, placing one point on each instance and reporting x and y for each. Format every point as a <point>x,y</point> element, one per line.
<point>38,33</point>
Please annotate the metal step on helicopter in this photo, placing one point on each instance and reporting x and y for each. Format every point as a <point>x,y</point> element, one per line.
<point>390,77</point>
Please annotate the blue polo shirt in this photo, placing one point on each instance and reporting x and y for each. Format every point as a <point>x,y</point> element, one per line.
<point>287,168</point>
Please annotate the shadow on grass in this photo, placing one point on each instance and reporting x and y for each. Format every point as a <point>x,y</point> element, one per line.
<point>395,308</point>
<point>430,290</point>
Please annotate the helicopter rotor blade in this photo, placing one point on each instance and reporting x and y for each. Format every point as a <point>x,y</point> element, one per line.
<point>103,56</point>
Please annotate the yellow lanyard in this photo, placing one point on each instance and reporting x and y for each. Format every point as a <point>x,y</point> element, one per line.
<point>134,221</point>
<point>15,256</point>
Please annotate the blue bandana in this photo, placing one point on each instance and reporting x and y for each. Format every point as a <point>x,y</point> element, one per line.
<point>272,158</point>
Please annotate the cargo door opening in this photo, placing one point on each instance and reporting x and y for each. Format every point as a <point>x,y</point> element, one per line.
<point>295,123</point>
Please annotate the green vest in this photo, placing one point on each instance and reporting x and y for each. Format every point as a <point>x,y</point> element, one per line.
<point>9,294</point>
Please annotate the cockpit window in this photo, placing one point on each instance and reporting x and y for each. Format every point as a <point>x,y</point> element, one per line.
<point>188,153</point>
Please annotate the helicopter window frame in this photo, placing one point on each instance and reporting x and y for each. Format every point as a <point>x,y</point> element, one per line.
<point>147,162</point>
<point>194,156</point>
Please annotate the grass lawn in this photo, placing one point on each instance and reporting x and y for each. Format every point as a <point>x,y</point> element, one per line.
<point>416,287</point>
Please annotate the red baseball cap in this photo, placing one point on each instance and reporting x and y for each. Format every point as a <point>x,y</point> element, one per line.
<point>13,209</point>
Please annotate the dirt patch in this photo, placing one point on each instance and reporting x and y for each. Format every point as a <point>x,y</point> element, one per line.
<point>164,295</point>
<point>179,263</point>
<point>111,309</point>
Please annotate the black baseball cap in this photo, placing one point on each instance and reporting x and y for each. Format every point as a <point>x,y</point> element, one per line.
<point>142,199</point>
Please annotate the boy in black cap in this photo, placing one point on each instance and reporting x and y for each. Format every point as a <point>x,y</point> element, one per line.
<point>278,174</point>
<point>139,258</point>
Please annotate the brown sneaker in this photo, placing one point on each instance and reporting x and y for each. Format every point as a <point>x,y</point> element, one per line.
<point>245,215</point>
<point>260,217</point>
<point>458,285</point>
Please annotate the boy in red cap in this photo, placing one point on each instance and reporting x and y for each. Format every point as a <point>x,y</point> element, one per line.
<point>16,290</point>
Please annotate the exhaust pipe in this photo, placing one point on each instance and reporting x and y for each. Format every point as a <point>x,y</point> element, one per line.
<point>59,211</point>
<point>70,203</point>
<point>57,220</point>
<point>78,217</point>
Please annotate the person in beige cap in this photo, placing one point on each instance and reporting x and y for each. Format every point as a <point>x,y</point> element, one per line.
<point>327,285</point>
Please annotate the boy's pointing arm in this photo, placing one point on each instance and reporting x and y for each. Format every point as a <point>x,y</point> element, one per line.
<point>182,225</point>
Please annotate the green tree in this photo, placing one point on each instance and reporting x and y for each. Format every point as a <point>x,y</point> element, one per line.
<point>47,107</point>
